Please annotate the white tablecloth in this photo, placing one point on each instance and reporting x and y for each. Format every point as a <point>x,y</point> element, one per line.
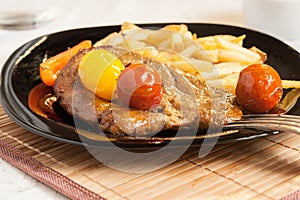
<point>76,14</point>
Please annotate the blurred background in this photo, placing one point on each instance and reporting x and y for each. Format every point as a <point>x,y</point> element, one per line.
<point>69,15</point>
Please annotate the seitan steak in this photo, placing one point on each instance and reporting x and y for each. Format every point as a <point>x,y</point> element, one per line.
<point>187,102</point>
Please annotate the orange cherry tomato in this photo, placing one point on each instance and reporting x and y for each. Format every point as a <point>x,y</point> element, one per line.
<point>52,66</point>
<point>139,86</point>
<point>259,88</point>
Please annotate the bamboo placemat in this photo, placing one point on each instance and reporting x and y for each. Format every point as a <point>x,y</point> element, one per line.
<point>264,168</point>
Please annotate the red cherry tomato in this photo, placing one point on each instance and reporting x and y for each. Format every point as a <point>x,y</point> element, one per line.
<point>139,86</point>
<point>259,88</point>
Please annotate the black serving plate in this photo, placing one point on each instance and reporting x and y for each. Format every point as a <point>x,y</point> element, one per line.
<point>21,73</point>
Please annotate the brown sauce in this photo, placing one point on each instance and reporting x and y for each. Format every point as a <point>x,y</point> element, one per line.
<point>41,99</point>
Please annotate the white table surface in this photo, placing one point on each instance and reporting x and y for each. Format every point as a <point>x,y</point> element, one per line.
<point>14,184</point>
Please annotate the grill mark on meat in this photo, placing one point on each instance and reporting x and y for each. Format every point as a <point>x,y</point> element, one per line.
<point>186,101</point>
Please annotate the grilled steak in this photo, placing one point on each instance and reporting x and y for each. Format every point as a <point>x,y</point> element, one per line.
<point>187,102</point>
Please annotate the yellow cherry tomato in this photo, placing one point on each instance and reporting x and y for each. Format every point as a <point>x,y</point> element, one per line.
<point>98,71</point>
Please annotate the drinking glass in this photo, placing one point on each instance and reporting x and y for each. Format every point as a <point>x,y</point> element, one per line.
<point>24,14</point>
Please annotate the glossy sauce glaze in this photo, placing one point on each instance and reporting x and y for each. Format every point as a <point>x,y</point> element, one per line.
<point>41,101</point>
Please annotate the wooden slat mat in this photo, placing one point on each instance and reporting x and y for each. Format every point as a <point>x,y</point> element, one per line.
<point>265,168</point>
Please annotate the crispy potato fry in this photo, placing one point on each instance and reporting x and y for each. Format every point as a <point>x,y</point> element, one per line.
<point>229,83</point>
<point>128,26</point>
<point>137,34</point>
<point>177,43</point>
<point>200,54</point>
<point>226,84</point>
<point>158,37</point>
<point>213,55</point>
<point>209,42</point>
<point>219,58</point>
<point>237,40</point>
<point>227,45</point>
<point>286,84</point>
<point>106,40</point>
<point>189,51</point>
<point>263,55</point>
<point>150,52</point>
<point>132,44</point>
<point>166,56</point>
<point>228,68</point>
<point>182,28</point>
<point>235,56</point>
<point>199,66</point>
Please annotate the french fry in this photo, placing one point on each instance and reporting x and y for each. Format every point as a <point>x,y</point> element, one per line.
<point>213,55</point>
<point>236,56</point>
<point>201,54</point>
<point>189,51</point>
<point>137,34</point>
<point>150,52</point>
<point>229,83</point>
<point>157,37</point>
<point>113,39</point>
<point>227,45</point>
<point>105,40</point>
<point>199,66</point>
<point>228,68</point>
<point>226,84</point>
<point>218,58</point>
<point>287,84</point>
<point>209,42</point>
<point>132,44</point>
<point>263,55</point>
<point>182,28</point>
<point>237,40</point>
<point>128,26</point>
<point>176,42</point>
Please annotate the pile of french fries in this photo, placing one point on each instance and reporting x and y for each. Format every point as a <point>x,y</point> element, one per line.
<point>217,59</point>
